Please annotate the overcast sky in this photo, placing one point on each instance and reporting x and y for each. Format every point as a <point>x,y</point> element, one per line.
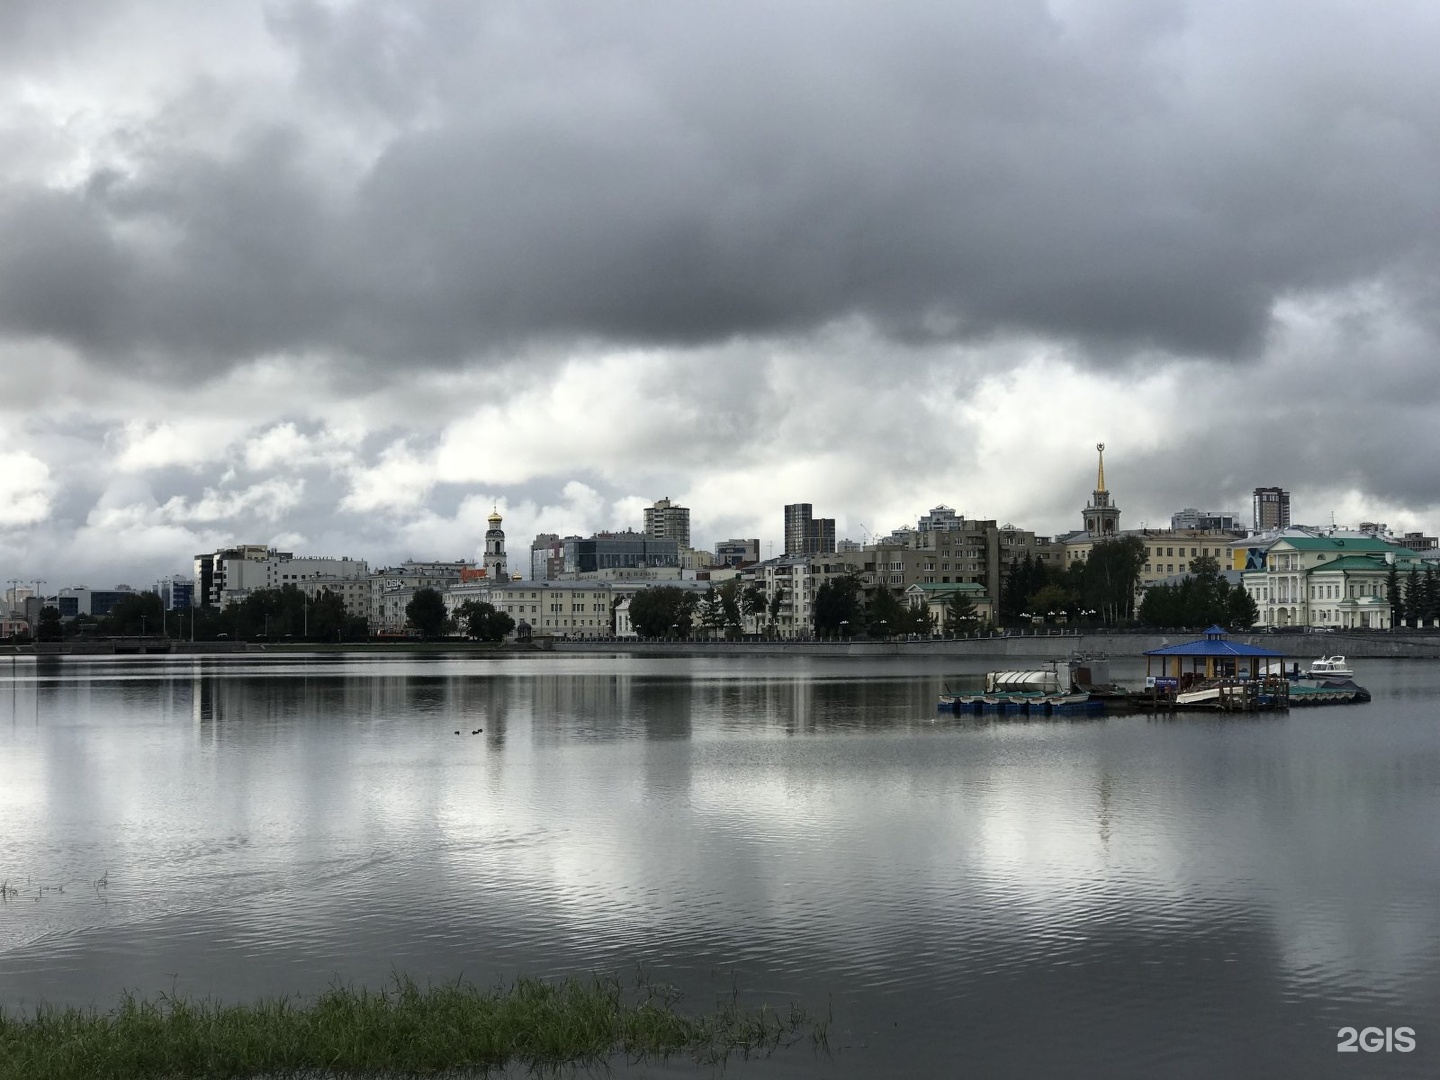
<point>340,277</point>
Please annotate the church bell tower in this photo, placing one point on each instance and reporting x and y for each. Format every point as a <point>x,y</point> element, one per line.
<point>495,549</point>
<point>1102,519</point>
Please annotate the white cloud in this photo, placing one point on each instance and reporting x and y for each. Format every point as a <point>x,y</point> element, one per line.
<point>399,481</point>
<point>25,489</point>
<point>268,500</point>
<point>189,443</point>
<point>284,446</point>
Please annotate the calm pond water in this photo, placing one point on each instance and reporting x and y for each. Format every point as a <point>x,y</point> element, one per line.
<point>1122,897</point>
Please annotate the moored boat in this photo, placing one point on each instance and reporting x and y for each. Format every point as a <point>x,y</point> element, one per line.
<point>1077,685</point>
<point>1329,667</point>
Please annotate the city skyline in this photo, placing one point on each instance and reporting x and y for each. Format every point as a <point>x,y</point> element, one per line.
<point>345,278</point>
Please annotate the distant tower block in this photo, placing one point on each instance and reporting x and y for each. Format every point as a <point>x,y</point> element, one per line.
<point>666,521</point>
<point>1271,508</point>
<point>1102,518</point>
<point>495,549</point>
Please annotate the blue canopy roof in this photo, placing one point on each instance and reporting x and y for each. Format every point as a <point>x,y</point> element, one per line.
<point>1214,643</point>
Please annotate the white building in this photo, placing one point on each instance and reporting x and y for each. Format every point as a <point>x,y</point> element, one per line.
<point>1330,581</point>
<point>568,609</point>
<point>230,574</point>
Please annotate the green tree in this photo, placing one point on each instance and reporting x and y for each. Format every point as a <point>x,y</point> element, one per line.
<point>426,613</point>
<point>777,604</point>
<point>961,616</point>
<point>483,621</point>
<point>50,628</point>
<point>886,615</point>
<point>1241,608</point>
<point>662,611</point>
<point>135,614</point>
<point>1413,599</point>
<point>729,596</point>
<point>1111,576</point>
<point>1392,593</point>
<point>752,600</point>
<point>836,608</point>
<point>327,618</point>
<point>1023,580</point>
<point>1052,601</point>
<point>1203,599</point>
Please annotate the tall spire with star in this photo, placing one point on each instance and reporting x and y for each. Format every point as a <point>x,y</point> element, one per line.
<point>1102,518</point>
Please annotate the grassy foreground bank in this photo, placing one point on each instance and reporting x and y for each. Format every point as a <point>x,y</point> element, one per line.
<point>404,1031</point>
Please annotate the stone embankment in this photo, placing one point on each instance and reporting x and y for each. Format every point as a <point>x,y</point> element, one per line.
<point>1033,646</point>
<point>1001,647</point>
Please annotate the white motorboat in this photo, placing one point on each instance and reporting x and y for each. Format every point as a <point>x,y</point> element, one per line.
<point>1329,667</point>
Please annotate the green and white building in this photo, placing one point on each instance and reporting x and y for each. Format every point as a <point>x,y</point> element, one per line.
<point>1338,582</point>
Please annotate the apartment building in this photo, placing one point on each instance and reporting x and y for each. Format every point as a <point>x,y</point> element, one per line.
<point>392,589</point>
<point>666,521</point>
<point>228,575</point>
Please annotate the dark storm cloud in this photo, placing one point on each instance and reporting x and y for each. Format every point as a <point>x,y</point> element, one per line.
<point>659,173</point>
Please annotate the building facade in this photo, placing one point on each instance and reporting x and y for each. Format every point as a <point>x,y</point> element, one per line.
<point>1271,508</point>
<point>1327,581</point>
<point>230,574</point>
<point>1205,520</point>
<point>666,521</point>
<point>392,589</point>
<point>617,550</point>
<point>737,552</point>
<point>806,534</point>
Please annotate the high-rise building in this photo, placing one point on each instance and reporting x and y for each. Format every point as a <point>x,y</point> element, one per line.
<point>547,557</point>
<point>665,521</point>
<point>1272,508</point>
<point>806,534</point>
<point>942,519</point>
<point>1102,519</point>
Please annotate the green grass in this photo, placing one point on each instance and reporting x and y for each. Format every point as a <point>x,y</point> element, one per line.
<point>402,1031</point>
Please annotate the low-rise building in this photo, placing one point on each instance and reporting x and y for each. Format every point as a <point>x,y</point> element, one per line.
<point>1330,581</point>
<point>936,601</point>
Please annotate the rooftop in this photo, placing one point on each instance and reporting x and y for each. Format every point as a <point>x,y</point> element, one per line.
<point>1214,643</point>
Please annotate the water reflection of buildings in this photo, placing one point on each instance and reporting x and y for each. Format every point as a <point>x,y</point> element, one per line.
<point>261,702</point>
<point>612,706</point>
